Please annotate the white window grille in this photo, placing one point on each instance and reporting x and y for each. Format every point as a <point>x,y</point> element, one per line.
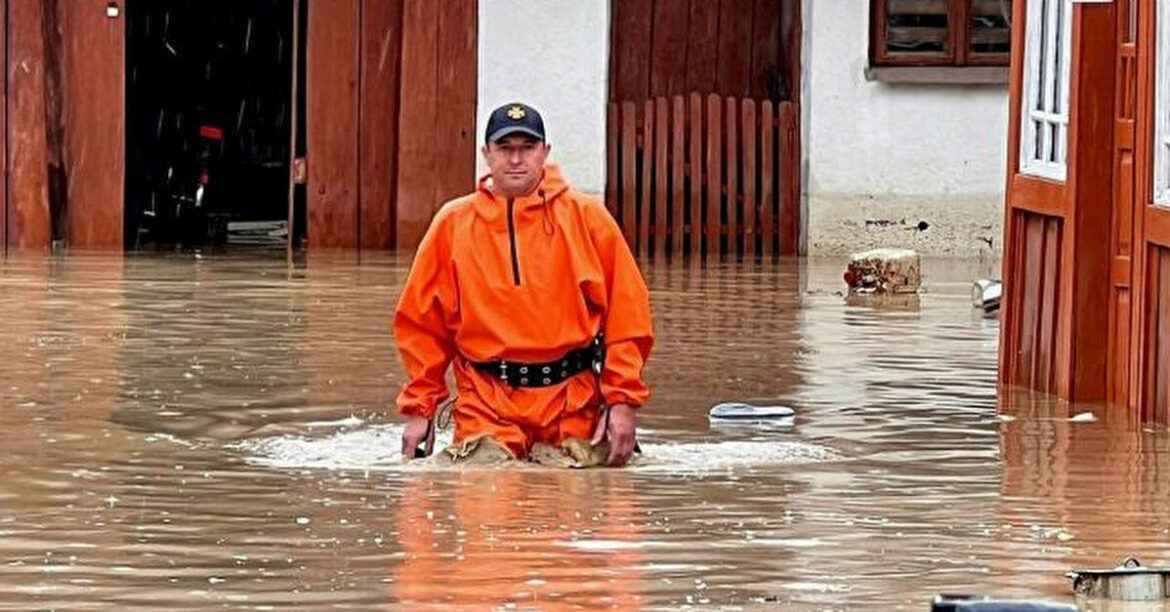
<point>1162,108</point>
<point>1044,137</point>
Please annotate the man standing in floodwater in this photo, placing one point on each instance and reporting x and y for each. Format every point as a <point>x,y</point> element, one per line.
<point>529,290</point>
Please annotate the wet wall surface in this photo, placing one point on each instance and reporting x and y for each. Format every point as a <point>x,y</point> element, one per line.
<point>187,432</point>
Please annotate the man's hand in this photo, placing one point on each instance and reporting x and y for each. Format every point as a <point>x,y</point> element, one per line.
<point>415,433</point>
<point>620,428</point>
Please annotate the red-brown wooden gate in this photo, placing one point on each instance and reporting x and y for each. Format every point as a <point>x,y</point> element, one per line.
<point>703,134</point>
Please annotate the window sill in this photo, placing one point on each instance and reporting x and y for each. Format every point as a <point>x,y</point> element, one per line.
<point>939,75</point>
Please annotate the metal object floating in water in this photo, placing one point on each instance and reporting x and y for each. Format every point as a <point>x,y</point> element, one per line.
<point>1130,581</point>
<point>740,412</point>
<point>986,295</point>
<point>968,603</point>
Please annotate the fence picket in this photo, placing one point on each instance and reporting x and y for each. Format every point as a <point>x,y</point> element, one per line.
<point>629,171</point>
<point>647,178</point>
<point>695,172</point>
<point>750,131</point>
<point>732,178</point>
<point>677,169</point>
<point>711,220</point>
<point>767,178</point>
<point>661,173</point>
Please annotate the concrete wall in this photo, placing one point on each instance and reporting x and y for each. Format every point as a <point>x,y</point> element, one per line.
<point>882,152</point>
<point>552,54</point>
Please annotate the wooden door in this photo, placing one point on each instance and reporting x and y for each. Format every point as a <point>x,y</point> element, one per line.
<point>1122,226</point>
<point>1055,320</point>
<point>1151,359</point>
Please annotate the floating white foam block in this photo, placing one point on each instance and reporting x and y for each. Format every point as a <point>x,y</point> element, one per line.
<point>739,411</point>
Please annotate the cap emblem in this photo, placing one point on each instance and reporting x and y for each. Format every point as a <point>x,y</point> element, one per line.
<point>516,113</point>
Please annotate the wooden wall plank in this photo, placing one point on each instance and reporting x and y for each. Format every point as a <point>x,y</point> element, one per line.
<point>668,53</point>
<point>93,71</point>
<point>767,178</point>
<point>677,164</point>
<point>751,130</point>
<point>703,46</point>
<point>4,136</point>
<point>735,37</point>
<point>711,221</point>
<point>731,107</point>
<point>766,72</point>
<point>629,172</point>
<point>661,118</point>
<point>381,59</point>
<point>612,152</point>
<point>454,149</point>
<point>418,171</point>
<point>632,28</point>
<point>29,225</point>
<point>695,171</point>
<point>647,178</point>
<point>789,164</point>
<point>332,123</point>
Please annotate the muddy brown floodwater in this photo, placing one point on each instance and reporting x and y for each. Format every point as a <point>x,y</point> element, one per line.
<point>183,433</point>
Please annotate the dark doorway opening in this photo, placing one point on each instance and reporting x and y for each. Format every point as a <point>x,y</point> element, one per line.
<point>209,116</point>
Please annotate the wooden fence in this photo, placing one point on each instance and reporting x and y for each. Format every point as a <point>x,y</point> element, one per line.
<point>704,175</point>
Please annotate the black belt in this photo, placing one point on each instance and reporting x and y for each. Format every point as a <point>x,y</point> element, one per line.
<point>519,374</point>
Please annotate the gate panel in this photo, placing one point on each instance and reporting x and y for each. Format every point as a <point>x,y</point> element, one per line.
<point>678,196</point>
<point>1039,267</point>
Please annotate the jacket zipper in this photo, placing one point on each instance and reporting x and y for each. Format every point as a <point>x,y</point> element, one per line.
<point>512,240</point>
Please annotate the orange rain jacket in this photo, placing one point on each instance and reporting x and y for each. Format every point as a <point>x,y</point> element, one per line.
<point>525,280</point>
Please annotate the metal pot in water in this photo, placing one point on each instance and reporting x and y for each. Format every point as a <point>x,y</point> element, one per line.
<point>1130,581</point>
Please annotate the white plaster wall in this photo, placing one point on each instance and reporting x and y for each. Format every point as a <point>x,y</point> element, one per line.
<point>895,139</point>
<point>553,55</point>
<point>879,151</point>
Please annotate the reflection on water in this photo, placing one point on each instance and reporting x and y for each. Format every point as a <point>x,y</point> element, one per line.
<point>183,433</point>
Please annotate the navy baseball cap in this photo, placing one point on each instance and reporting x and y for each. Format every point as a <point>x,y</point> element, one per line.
<point>514,118</point>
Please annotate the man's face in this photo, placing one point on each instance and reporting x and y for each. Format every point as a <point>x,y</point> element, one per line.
<point>515,163</point>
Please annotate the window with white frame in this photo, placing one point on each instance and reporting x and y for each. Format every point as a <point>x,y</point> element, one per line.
<point>1162,108</point>
<point>1044,133</point>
